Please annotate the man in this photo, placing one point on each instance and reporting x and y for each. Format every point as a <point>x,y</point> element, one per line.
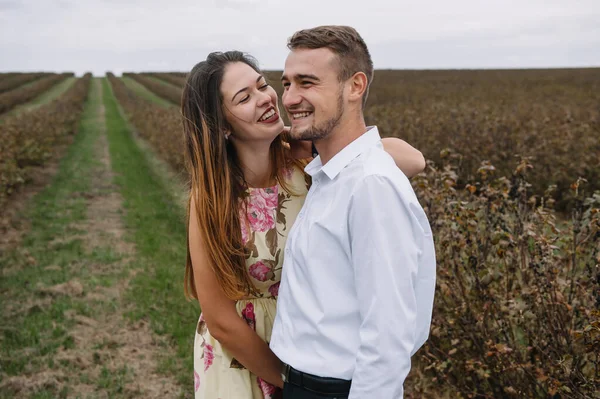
<point>358,279</point>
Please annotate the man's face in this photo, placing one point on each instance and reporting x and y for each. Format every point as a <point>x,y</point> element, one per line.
<point>313,95</point>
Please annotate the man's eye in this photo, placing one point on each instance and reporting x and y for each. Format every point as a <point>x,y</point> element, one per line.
<point>305,83</point>
<point>286,85</point>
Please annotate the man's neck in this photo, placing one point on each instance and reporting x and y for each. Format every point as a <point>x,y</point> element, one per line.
<point>343,134</point>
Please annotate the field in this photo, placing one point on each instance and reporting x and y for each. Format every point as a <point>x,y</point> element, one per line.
<point>92,248</point>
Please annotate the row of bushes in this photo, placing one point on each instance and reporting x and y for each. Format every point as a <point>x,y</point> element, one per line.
<point>160,126</point>
<point>517,306</point>
<point>11,81</point>
<point>164,90</point>
<point>29,138</point>
<point>553,117</point>
<point>20,95</point>
<point>174,79</point>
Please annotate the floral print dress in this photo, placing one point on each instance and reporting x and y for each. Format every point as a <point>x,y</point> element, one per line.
<point>266,221</point>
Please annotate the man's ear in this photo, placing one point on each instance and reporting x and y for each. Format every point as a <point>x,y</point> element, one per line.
<point>358,85</point>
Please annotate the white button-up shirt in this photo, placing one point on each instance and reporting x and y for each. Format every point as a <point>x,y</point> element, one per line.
<point>358,279</point>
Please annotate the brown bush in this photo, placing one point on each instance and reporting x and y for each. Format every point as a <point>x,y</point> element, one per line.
<point>20,95</point>
<point>518,293</point>
<point>14,80</point>
<point>552,116</point>
<point>28,138</point>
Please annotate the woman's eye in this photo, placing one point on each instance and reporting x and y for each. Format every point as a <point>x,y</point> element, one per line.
<point>243,100</point>
<point>263,87</point>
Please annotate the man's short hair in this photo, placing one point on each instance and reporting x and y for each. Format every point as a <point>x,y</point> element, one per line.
<point>345,42</point>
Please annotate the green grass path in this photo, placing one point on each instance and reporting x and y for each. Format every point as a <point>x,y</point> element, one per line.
<point>35,325</point>
<point>157,218</point>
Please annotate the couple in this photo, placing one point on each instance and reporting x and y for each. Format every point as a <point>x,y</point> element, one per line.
<point>344,235</point>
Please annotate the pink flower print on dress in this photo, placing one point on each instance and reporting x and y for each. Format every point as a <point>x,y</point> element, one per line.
<point>261,209</point>
<point>267,389</point>
<point>265,197</point>
<point>274,289</point>
<point>209,356</point>
<point>196,381</point>
<point>248,315</point>
<point>259,271</point>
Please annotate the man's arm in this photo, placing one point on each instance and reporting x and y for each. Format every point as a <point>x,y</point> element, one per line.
<point>386,242</point>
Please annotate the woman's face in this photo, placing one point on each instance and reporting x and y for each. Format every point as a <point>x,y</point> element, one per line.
<point>250,104</point>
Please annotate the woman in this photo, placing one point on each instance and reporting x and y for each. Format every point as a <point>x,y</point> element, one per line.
<point>247,186</point>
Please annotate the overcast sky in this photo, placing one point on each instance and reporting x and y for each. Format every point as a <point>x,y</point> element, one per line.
<point>173,35</point>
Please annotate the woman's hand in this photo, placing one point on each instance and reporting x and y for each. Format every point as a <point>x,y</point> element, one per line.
<point>301,149</point>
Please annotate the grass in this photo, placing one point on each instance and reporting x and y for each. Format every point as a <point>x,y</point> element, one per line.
<point>34,328</point>
<point>144,93</point>
<point>157,220</point>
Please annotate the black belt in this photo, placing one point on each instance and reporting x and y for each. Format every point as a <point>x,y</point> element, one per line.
<point>323,385</point>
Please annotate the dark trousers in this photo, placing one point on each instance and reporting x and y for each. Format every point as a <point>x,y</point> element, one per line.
<point>291,391</point>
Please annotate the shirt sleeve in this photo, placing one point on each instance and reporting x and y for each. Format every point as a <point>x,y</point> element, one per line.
<point>386,239</point>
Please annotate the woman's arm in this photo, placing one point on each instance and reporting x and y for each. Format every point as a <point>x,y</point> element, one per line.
<point>407,158</point>
<point>221,317</point>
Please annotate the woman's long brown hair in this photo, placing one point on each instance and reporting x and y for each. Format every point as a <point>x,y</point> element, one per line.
<point>217,181</point>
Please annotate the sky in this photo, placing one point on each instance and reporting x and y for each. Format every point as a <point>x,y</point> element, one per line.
<point>173,35</point>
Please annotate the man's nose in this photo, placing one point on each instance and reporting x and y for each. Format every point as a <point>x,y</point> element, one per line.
<point>290,97</point>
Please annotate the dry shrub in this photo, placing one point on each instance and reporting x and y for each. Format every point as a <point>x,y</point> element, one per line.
<point>29,138</point>
<point>20,95</point>
<point>11,81</point>
<point>552,116</point>
<point>518,294</point>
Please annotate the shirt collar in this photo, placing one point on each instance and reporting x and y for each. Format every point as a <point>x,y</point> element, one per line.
<point>345,156</point>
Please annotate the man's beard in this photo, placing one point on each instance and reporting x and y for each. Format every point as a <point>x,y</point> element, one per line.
<point>324,129</point>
